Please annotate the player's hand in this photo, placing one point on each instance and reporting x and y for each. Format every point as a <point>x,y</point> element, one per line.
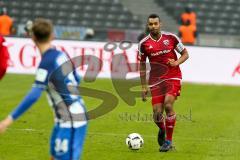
<point>172,62</point>
<point>5,123</point>
<point>144,93</point>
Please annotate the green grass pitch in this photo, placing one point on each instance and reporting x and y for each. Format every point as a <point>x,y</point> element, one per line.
<point>208,126</point>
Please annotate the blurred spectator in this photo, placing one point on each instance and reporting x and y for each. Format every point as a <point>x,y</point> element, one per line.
<point>143,34</point>
<point>189,15</point>
<point>28,28</point>
<point>6,23</point>
<point>89,34</point>
<point>188,33</point>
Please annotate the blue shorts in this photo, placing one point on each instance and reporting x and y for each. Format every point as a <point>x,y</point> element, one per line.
<point>67,143</point>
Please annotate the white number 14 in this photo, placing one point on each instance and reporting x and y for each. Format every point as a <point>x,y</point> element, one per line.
<point>61,145</point>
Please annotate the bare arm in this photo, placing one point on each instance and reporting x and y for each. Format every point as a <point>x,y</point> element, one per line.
<point>143,73</point>
<point>143,80</point>
<point>182,59</point>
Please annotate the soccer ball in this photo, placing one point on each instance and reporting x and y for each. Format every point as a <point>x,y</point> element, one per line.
<point>134,141</point>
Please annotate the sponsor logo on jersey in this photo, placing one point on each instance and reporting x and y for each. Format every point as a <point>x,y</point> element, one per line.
<point>161,52</point>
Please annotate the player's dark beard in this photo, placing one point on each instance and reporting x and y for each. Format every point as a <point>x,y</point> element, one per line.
<point>155,34</point>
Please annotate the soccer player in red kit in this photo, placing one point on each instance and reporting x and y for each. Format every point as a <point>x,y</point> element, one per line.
<point>165,76</point>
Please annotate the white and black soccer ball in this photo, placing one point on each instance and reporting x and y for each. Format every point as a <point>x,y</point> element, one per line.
<point>134,141</point>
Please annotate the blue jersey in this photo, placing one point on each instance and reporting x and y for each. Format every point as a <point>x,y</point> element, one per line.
<point>56,75</point>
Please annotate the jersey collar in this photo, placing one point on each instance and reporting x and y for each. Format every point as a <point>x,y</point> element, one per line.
<point>154,39</point>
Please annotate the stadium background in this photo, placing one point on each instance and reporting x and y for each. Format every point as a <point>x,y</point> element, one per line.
<point>208,123</point>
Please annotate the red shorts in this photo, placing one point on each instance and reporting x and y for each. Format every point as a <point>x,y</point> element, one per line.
<point>171,87</point>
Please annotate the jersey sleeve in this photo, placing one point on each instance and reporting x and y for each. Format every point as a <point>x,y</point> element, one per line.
<point>179,47</point>
<point>42,75</point>
<point>141,55</point>
<point>27,102</point>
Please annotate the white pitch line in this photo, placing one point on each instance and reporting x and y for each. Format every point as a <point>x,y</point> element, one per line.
<point>124,135</point>
<point>26,129</point>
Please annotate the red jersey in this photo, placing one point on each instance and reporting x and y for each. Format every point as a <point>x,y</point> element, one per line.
<point>159,52</point>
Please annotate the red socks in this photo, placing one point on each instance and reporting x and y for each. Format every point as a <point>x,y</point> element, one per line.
<point>170,123</point>
<point>161,125</point>
<point>159,120</point>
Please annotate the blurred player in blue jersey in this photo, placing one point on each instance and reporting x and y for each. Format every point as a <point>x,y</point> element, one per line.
<point>53,76</point>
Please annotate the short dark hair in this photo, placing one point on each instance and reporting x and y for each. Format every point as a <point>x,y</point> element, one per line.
<point>188,9</point>
<point>3,10</point>
<point>42,29</point>
<point>154,16</point>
